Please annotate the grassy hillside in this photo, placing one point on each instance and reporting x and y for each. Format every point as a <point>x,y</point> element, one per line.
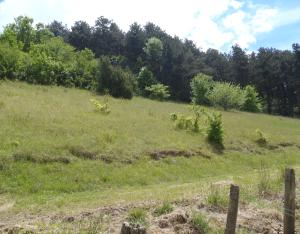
<point>56,152</point>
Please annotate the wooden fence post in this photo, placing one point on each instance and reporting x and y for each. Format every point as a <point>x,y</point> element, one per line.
<point>289,202</point>
<point>232,209</point>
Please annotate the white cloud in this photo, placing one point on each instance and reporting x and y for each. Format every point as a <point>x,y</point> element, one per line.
<point>213,23</point>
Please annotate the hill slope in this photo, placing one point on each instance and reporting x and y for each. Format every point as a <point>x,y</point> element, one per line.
<point>56,152</point>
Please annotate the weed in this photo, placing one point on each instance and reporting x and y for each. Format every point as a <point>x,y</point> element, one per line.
<point>264,184</point>
<point>164,209</point>
<point>99,107</point>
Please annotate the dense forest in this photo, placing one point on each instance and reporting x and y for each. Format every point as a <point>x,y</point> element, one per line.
<point>104,58</point>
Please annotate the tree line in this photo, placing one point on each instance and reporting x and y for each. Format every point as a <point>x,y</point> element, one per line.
<point>104,58</point>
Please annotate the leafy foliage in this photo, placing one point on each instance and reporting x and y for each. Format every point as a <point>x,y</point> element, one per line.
<point>158,91</point>
<point>215,132</point>
<point>154,48</point>
<point>172,61</point>
<point>11,62</point>
<point>201,85</point>
<point>145,79</point>
<point>226,95</point>
<point>251,103</point>
<point>118,82</point>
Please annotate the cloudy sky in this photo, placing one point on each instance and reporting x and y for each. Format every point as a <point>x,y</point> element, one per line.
<point>209,23</point>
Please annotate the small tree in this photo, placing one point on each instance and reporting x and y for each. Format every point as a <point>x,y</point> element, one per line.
<point>251,103</point>
<point>201,84</point>
<point>215,130</point>
<point>158,91</point>
<point>145,79</point>
<point>227,96</point>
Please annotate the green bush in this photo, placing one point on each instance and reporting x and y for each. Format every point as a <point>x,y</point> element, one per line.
<point>86,70</point>
<point>251,102</point>
<point>118,82</point>
<point>158,92</point>
<point>215,131</point>
<point>11,62</point>
<point>51,63</point>
<point>201,85</point>
<point>226,95</point>
<point>145,79</point>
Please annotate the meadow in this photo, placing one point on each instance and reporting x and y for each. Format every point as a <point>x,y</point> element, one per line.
<point>58,154</point>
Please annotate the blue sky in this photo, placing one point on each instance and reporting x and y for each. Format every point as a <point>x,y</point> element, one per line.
<point>211,24</point>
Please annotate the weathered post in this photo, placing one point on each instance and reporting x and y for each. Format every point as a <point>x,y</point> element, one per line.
<point>289,202</point>
<point>232,209</point>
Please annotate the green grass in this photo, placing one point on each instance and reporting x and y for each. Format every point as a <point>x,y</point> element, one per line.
<point>165,208</point>
<point>217,198</point>
<point>137,216</point>
<point>56,152</point>
<point>200,223</point>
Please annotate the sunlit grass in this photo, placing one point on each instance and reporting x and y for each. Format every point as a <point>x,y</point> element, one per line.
<point>53,123</point>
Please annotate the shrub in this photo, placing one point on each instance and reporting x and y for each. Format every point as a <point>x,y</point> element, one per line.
<point>118,82</point>
<point>201,85</point>
<point>11,62</point>
<point>164,209</point>
<point>51,63</point>
<point>226,95</point>
<point>86,69</point>
<point>145,79</point>
<point>215,129</point>
<point>158,91</point>
<point>251,103</point>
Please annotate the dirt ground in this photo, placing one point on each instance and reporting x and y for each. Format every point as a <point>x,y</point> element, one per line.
<point>110,219</point>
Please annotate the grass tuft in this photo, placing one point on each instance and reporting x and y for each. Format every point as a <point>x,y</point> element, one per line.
<point>166,208</point>
<point>200,222</point>
<point>137,216</point>
<point>217,199</point>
